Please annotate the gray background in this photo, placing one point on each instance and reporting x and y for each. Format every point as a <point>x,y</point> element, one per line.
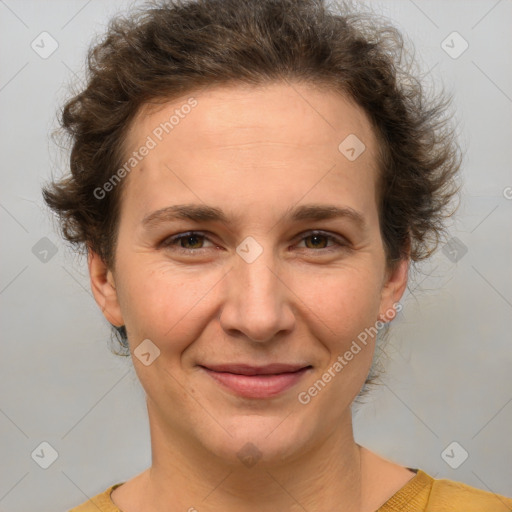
<point>450,356</point>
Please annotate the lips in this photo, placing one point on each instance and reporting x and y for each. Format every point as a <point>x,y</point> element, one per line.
<point>245,369</point>
<point>257,381</point>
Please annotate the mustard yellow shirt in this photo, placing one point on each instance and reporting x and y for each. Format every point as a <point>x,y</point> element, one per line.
<point>420,494</point>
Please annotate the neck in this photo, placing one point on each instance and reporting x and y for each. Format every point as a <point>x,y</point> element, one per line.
<point>326,475</point>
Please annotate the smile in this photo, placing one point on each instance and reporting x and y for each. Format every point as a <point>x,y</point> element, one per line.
<point>257,382</point>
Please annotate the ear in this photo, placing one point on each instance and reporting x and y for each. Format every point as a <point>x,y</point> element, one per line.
<point>104,289</point>
<point>393,288</point>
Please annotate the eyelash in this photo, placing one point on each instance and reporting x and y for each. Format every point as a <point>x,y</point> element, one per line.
<point>169,242</point>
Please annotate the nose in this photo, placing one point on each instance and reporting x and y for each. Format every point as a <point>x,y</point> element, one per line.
<point>257,300</point>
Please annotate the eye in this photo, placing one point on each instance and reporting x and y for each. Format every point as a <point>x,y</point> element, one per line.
<point>320,238</point>
<point>188,242</point>
<point>193,242</point>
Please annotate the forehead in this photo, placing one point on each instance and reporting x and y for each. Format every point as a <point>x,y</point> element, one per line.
<point>280,135</point>
<point>300,115</point>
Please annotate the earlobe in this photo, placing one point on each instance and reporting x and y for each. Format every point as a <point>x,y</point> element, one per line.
<point>393,289</point>
<point>104,289</point>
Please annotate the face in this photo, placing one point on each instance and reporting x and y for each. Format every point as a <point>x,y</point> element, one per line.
<point>262,273</point>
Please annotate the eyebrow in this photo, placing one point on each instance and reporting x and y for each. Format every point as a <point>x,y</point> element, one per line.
<point>204,213</point>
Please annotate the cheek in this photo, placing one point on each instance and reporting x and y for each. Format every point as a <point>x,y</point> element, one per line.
<point>347,307</point>
<point>166,305</point>
<point>342,303</point>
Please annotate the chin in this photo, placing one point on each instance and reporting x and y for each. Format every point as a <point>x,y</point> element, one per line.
<point>260,440</point>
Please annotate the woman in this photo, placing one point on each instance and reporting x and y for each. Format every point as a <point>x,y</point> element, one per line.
<point>251,181</point>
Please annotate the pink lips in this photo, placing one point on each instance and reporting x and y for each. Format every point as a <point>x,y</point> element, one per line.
<point>257,382</point>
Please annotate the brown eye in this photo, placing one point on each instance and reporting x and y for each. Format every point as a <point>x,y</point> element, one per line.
<point>319,241</point>
<point>190,242</point>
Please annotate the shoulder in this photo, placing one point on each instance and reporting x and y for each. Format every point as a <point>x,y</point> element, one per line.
<point>101,502</point>
<point>426,494</point>
<point>452,496</point>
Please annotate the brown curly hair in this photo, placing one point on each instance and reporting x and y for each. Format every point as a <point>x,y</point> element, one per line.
<point>168,48</point>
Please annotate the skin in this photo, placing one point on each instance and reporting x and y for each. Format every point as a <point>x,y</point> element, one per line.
<point>254,153</point>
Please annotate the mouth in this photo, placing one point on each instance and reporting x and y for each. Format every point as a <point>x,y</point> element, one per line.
<point>257,381</point>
